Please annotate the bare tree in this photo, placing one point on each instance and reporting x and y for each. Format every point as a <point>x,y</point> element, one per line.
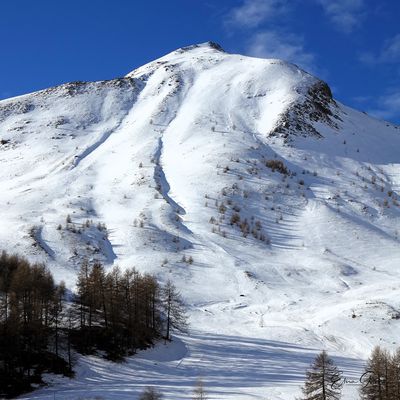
<point>199,393</point>
<point>150,394</point>
<point>324,380</point>
<point>174,310</point>
<point>57,312</point>
<point>395,374</point>
<point>376,378</point>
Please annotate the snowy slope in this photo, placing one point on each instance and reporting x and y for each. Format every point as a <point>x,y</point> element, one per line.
<point>164,158</point>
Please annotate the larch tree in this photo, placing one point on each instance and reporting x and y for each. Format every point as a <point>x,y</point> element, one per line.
<point>376,378</point>
<point>395,374</point>
<point>174,310</point>
<point>199,392</point>
<point>323,380</point>
<point>150,394</point>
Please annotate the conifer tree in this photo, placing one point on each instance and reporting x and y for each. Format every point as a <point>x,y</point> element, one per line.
<point>173,309</point>
<point>199,392</point>
<point>82,297</point>
<point>30,317</point>
<point>57,312</point>
<point>150,394</point>
<point>323,381</point>
<point>376,381</point>
<point>395,374</point>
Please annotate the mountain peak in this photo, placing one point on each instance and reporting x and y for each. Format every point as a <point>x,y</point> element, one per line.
<point>209,45</point>
<point>182,55</point>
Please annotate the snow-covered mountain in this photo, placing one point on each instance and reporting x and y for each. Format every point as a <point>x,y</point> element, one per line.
<point>273,207</point>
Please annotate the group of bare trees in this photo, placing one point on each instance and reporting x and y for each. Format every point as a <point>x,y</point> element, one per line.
<point>380,380</point>
<point>151,393</point>
<point>115,312</point>
<point>30,309</point>
<point>120,312</point>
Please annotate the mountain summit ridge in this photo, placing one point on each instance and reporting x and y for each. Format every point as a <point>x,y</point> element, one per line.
<point>314,92</point>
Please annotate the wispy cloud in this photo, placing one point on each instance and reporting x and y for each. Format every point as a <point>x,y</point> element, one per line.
<point>387,106</point>
<point>269,31</point>
<point>389,53</point>
<point>289,47</point>
<point>252,13</point>
<point>346,15</point>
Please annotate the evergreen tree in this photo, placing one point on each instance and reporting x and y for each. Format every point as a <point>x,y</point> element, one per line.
<point>323,381</point>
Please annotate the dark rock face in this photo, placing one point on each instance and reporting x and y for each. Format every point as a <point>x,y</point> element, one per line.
<point>216,46</point>
<point>321,98</point>
<point>210,44</point>
<point>318,106</point>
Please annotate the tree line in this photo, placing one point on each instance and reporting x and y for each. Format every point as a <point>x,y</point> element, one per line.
<point>30,305</point>
<point>117,312</point>
<point>379,381</point>
<point>121,312</point>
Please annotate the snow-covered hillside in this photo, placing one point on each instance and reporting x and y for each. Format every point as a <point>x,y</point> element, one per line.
<point>285,200</point>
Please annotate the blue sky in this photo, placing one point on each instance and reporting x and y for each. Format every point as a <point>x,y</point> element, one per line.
<point>352,44</point>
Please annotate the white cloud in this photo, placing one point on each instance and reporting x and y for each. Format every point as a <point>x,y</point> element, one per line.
<point>288,47</point>
<point>254,12</point>
<point>276,41</point>
<point>387,106</point>
<point>346,15</point>
<point>390,53</point>
<point>368,58</point>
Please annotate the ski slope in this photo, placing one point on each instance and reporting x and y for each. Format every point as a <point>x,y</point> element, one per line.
<point>164,158</point>
<point>229,366</point>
